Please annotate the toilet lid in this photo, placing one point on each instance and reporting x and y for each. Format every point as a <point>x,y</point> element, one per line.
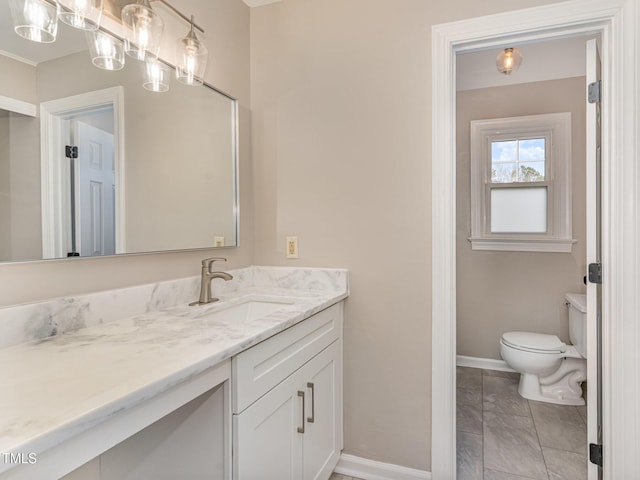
<point>538,342</point>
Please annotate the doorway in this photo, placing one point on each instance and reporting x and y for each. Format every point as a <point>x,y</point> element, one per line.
<point>611,20</point>
<point>82,162</point>
<point>518,281</point>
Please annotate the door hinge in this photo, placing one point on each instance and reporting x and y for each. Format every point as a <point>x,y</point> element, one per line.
<point>595,92</point>
<point>70,151</point>
<point>595,454</point>
<point>595,273</point>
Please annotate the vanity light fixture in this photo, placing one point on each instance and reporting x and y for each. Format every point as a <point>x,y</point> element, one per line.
<point>107,52</point>
<point>509,60</point>
<point>143,30</point>
<point>192,55</point>
<point>35,20</point>
<point>156,76</point>
<point>82,14</point>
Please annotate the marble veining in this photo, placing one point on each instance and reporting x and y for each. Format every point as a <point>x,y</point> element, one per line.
<point>24,323</point>
<point>92,357</point>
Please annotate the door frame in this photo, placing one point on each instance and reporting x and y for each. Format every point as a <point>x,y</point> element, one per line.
<point>615,21</point>
<point>55,220</point>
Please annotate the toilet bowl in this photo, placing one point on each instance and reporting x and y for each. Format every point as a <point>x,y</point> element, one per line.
<point>550,370</point>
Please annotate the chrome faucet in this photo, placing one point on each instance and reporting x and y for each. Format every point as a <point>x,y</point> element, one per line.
<point>205,281</point>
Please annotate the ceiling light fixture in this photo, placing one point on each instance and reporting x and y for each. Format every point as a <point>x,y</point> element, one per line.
<point>82,14</point>
<point>192,55</point>
<point>107,52</point>
<point>143,30</point>
<point>156,76</point>
<point>509,60</point>
<point>35,20</point>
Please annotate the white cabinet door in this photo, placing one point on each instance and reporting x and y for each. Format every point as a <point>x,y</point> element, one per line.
<point>294,432</point>
<point>322,440</point>
<point>267,444</point>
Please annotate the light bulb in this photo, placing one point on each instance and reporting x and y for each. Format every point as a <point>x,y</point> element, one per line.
<point>107,52</point>
<point>143,30</point>
<point>34,20</point>
<point>192,55</point>
<point>508,60</point>
<point>156,76</point>
<point>82,14</point>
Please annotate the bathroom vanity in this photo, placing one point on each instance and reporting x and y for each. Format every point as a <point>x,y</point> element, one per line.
<point>135,383</point>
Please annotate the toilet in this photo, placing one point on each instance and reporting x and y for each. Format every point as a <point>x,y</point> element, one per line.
<point>550,370</point>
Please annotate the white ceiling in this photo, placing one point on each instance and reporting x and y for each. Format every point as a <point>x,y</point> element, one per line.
<point>541,61</point>
<point>258,3</point>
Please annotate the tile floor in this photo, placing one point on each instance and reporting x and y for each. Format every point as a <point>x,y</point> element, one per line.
<point>502,436</point>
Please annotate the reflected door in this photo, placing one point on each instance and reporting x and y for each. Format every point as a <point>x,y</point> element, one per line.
<point>95,192</point>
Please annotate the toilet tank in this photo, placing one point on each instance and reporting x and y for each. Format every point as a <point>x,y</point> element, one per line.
<point>577,303</point>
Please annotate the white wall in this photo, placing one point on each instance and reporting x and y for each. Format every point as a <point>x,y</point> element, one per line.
<point>522,291</point>
<point>5,185</point>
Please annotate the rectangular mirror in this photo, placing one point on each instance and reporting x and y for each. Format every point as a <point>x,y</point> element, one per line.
<point>91,163</point>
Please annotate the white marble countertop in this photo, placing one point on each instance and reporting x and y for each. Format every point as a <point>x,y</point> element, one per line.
<point>52,388</point>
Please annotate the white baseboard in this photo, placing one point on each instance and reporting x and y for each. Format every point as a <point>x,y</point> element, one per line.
<point>371,470</point>
<point>486,363</point>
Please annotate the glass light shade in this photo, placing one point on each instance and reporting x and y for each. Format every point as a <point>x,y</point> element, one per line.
<point>156,76</point>
<point>107,52</point>
<point>82,14</point>
<point>191,55</point>
<point>142,29</point>
<point>35,20</point>
<point>509,60</point>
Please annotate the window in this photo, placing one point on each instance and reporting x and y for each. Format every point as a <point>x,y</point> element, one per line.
<point>521,183</point>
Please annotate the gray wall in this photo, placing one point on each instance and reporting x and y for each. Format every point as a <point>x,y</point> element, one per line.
<point>227,26</point>
<point>178,149</point>
<point>504,291</point>
<point>341,100</point>
<point>21,84</point>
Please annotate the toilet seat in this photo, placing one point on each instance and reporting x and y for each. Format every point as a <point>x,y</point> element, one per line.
<point>534,342</point>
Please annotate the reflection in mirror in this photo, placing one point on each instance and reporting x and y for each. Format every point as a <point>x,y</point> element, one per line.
<point>154,171</point>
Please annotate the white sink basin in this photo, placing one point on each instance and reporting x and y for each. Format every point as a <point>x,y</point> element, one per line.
<point>250,310</point>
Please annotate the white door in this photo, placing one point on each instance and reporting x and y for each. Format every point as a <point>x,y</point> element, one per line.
<point>95,192</point>
<point>594,251</point>
<point>269,444</point>
<point>322,438</point>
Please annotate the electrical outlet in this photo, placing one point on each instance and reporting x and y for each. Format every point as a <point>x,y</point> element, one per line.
<point>218,241</point>
<point>292,247</point>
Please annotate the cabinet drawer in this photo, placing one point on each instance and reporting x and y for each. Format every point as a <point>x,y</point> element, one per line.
<point>257,370</point>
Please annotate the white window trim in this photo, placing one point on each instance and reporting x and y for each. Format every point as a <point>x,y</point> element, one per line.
<point>559,235</point>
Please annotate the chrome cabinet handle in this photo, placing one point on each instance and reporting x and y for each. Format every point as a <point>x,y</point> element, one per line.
<point>312,418</point>
<point>301,394</point>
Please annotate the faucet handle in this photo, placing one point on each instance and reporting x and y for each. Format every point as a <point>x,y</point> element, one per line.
<point>207,262</point>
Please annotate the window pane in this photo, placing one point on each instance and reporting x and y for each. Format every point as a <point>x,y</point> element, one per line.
<point>532,149</point>
<point>504,161</point>
<point>519,210</point>
<point>531,172</point>
<point>518,161</point>
<point>504,151</point>
<point>504,173</point>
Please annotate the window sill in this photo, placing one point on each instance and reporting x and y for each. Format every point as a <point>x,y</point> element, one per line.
<point>554,245</point>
